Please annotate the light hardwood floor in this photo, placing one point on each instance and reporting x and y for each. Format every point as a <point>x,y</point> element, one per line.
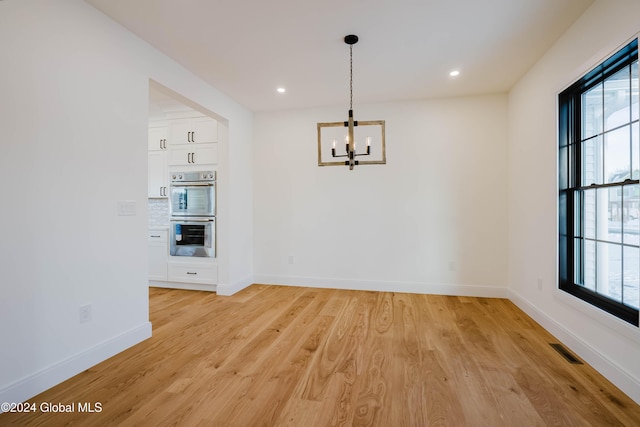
<point>287,356</point>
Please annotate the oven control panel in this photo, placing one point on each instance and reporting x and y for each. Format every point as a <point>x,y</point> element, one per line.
<point>193,176</point>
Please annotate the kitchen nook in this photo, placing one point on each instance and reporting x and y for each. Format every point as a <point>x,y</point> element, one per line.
<point>182,172</point>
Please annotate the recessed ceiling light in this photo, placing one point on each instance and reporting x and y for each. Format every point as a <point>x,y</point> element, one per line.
<point>454,73</point>
<point>281,90</point>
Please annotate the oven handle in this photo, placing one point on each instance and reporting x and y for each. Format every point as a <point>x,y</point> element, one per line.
<point>192,184</point>
<point>192,219</point>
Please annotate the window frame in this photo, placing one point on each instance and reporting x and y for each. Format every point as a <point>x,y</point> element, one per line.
<point>570,184</point>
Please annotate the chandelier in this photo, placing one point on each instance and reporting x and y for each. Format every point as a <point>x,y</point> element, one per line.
<point>366,133</point>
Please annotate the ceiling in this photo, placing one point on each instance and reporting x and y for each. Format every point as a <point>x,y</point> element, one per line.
<point>248,48</point>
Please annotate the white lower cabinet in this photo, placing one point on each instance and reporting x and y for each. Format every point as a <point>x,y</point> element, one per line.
<point>158,254</point>
<point>192,272</point>
<point>172,272</point>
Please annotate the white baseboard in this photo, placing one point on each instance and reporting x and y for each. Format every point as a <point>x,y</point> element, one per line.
<point>38,382</point>
<point>230,289</point>
<point>482,291</point>
<point>621,379</point>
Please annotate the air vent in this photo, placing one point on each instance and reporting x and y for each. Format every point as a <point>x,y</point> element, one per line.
<point>566,354</point>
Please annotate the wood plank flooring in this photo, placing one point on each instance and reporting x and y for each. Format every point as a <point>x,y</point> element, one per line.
<point>287,356</point>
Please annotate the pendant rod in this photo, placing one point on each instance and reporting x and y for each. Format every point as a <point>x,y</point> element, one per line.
<point>350,77</point>
<point>351,151</point>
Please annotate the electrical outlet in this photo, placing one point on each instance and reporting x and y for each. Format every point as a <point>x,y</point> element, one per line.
<point>539,283</point>
<point>85,313</point>
<point>452,266</point>
<point>290,259</point>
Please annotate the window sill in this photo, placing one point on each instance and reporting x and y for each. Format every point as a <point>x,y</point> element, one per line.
<point>599,316</point>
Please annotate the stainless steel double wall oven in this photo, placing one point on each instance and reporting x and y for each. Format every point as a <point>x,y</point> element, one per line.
<point>192,203</point>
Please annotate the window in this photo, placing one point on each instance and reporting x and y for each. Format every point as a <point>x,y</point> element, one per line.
<point>599,191</point>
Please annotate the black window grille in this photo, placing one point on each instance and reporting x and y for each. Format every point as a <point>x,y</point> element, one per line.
<point>599,190</point>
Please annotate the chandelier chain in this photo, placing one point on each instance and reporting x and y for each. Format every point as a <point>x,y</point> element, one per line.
<point>351,77</point>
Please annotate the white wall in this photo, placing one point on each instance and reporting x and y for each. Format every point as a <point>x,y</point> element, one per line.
<point>610,345</point>
<point>432,220</point>
<point>240,218</point>
<point>73,130</point>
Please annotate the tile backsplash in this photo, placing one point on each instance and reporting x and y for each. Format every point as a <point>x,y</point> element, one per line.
<point>158,212</point>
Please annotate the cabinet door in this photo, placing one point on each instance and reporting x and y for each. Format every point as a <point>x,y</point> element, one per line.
<point>157,138</point>
<point>158,181</point>
<point>158,254</point>
<point>205,155</point>
<point>202,154</point>
<point>205,130</point>
<point>200,130</point>
<point>180,131</point>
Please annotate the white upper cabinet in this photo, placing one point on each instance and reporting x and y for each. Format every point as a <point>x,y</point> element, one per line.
<point>157,138</point>
<point>158,177</point>
<point>206,154</point>
<point>199,130</point>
